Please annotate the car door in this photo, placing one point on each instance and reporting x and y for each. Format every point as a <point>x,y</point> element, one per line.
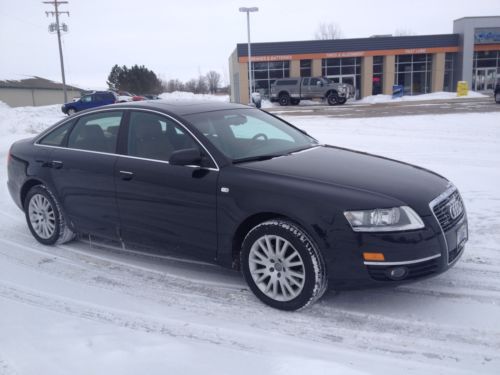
<point>315,87</point>
<point>168,206</point>
<point>85,102</point>
<point>82,173</point>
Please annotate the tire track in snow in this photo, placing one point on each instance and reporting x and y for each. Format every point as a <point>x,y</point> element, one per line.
<point>330,323</point>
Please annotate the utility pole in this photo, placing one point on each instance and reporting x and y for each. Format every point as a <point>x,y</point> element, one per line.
<point>58,27</point>
<point>250,70</point>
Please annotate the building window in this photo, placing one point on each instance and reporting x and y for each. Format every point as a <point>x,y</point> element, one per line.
<point>265,73</point>
<point>305,68</point>
<point>449,71</point>
<point>344,70</point>
<point>378,75</point>
<point>413,72</point>
<point>485,70</point>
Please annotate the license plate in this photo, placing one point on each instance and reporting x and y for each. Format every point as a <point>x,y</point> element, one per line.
<point>461,235</point>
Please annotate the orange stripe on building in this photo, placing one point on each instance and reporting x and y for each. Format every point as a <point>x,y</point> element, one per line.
<point>328,55</point>
<point>484,47</point>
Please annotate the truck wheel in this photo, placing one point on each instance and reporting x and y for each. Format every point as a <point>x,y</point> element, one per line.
<point>341,100</point>
<point>284,99</point>
<point>332,98</point>
<point>295,101</point>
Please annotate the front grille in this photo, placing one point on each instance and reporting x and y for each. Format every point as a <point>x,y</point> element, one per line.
<point>443,214</point>
<point>415,270</point>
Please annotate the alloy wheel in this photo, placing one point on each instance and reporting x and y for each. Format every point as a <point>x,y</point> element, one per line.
<point>277,268</point>
<point>42,216</point>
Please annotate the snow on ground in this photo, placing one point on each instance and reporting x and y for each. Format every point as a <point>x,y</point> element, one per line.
<point>374,99</point>
<point>83,308</point>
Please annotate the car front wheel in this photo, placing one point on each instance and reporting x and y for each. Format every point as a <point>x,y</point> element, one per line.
<point>71,111</point>
<point>332,98</point>
<point>45,219</point>
<point>282,265</point>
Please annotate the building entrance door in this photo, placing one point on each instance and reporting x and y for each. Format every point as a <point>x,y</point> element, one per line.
<point>485,79</point>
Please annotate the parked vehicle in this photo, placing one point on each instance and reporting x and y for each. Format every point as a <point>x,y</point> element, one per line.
<point>124,96</point>
<point>497,92</point>
<point>151,97</point>
<point>90,100</point>
<point>235,185</point>
<point>288,91</point>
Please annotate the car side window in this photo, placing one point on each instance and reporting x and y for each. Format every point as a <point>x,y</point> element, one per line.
<point>86,99</point>
<point>97,132</point>
<point>153,136</point>
<point>305,82</point>
<point>314,81</point>
<point>56,136</point>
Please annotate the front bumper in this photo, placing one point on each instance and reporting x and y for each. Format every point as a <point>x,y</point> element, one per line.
<point>417,254</point>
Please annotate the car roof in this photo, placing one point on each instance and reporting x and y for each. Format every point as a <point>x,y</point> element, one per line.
<point>182,107</point>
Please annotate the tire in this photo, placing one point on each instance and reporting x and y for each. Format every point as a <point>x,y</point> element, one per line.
<point>295,101</point>
<point>341,100</point>
<point>284,99</point>
<point>497,97</point>
<point>290,278</point>
<point>332,98</point>
<point>44,217</point>
<point>71,111</point>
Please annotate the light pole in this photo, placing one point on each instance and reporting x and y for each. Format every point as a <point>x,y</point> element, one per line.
<point>250,83</point>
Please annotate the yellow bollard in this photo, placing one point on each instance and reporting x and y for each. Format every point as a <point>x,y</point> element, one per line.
<point>462,88</point>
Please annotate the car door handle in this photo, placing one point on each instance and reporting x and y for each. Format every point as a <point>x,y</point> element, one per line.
<point>56,164</point>
<point>126,175</point>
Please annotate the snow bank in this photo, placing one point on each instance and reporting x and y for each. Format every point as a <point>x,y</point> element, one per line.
<point>183,95</point>
<point>432,96</point>
<point>27,120</point>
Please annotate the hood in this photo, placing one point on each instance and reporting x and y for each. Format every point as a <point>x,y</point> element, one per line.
<point>409,184</point>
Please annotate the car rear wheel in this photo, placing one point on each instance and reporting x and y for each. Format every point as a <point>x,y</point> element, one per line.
<point>282,265</point>
<point>284,99</point>
<point>497,97</point>
<point>71,111</point>
<point>45,219</point>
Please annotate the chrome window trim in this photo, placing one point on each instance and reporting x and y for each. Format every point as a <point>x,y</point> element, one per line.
<point>37,139</point>
<point>402,263</point>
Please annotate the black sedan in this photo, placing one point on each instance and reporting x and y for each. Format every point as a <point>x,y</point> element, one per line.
<point>237,186</point>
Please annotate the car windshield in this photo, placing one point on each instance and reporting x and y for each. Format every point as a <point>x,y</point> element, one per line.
<point>250,134</point>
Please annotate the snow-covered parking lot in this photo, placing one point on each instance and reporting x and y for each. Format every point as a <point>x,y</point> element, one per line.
<point>83,308</point>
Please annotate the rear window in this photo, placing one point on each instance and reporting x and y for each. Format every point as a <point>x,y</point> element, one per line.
<point>286,82</point>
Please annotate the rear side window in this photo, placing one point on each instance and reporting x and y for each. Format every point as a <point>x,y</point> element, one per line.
<point>97,132</point>
<point>56,137</point>
<point>286,82</point>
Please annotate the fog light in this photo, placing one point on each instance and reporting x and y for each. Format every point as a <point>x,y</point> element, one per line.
<point>397,273</point>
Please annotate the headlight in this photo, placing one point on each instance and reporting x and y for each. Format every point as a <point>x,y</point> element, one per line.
<point>384,220</point>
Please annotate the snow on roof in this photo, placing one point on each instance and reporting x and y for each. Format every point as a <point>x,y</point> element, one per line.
<point>33,82</point>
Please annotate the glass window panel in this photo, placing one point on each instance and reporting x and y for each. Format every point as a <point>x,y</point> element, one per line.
<point>260,65</point>
<point>403,58</point>
<point>305,63</point>
<point>378,60</point>
<point>420,58</point>
<point>377,68</point>
<point>333,71</point>
<point>348,70</point>
<point>487,63</point>
<point>276,74</point>
<point>348,61</point>
<point>260,74</point>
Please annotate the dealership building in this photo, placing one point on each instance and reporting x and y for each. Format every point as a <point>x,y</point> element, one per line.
<point>420,64</point>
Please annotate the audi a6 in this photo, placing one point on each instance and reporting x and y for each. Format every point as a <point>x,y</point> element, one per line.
<point>235,185</point>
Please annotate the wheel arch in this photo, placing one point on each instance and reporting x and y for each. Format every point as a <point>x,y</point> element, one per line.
<point>27,187</point>
<point>283,92</point>
<point>250,222</point>
<point>332,91</point>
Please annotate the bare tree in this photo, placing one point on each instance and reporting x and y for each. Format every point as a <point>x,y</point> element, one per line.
<point>404,32</point>
<point>213,80</point>
<point>328,31</point>
<point>173,85</point>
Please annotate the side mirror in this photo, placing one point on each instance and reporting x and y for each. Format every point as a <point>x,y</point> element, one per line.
<point>187,156</point>
<point>319,83</point>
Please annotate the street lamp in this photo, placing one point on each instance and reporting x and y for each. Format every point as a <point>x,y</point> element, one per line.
<point>247,11</point>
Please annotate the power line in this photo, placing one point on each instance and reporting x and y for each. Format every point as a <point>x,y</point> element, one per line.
<point>58,27</point>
